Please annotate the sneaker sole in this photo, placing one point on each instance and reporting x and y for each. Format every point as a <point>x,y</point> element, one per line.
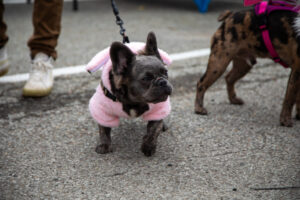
<point>36,93</point>
<point>3,72</point>
<point>5,66</point>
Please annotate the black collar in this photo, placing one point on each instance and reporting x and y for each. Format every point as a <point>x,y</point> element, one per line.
<point>107,93</point>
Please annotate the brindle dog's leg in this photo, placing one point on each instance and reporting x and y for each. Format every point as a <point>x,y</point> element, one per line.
<point>290,98</point>
<point>217,65</point>
<point>298,104</point>
<point>239,69</point>
<point>105,140</point>
<point>150,139</point>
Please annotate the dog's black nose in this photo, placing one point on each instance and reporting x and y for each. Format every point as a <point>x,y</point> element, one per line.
<point>161,82</point>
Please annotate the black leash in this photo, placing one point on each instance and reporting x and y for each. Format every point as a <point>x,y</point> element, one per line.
<point>119,22</point>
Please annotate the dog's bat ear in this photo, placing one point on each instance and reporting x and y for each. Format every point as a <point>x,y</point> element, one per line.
<point>151,45</point>
<point>121,57</point>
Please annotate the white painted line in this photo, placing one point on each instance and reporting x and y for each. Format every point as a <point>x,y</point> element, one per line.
<point>69,70</point>
<point>190,54</point>
<point>81,68</point>
<point>14,78</point>
<point>56,72</point>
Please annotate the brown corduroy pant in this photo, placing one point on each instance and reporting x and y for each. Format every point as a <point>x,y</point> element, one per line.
<point>46,22</point>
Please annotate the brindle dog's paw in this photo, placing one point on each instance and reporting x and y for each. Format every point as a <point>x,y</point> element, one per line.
<point>200,110</point>
<point>148,149</point>
<point>236,101</point>
<point>103,149</point>
<point>286,121</point>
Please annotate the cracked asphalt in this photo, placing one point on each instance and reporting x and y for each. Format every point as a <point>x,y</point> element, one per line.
<point>236,152</point>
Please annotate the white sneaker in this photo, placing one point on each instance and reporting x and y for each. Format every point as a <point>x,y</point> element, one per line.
<point>4,62</point>
<point>40,80</point>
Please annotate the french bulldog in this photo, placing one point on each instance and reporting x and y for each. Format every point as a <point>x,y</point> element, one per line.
<point>240,40</point>
<point>137,86</point>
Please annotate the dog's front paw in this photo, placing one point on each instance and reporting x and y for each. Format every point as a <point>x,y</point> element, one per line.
<point>286,121</point>
<point>200,110</point>
<point>236,101</point>
<point>103,149</point>
<point>165,127</point>
<point>148,149</point>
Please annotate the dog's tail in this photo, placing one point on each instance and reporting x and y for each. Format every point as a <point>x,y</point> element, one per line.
<point>224,15</point>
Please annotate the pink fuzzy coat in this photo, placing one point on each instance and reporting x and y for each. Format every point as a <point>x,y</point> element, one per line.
<point>107,112</point>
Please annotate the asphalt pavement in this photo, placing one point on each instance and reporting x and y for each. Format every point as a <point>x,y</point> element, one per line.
<point>234,153</point>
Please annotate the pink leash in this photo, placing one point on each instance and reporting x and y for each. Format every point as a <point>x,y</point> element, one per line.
<point>263,9</point>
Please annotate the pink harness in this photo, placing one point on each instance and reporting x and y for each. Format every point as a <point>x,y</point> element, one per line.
<point>264,8</point>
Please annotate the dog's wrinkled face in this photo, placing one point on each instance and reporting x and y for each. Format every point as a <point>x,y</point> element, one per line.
<point>144,77</point>
<point>149,80</point>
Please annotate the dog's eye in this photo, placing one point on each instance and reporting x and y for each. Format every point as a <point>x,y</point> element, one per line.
<point>148,77</point>
<point>165,72</point>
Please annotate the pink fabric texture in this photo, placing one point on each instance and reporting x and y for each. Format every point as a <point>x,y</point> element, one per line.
<point>251,2</point>
<point>107,112</point>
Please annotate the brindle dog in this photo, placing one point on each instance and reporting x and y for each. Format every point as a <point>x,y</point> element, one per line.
<point>136,81</point>
<point>239,39</point>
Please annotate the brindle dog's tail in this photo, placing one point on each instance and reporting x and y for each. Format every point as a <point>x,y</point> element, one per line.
<point>224,15</point>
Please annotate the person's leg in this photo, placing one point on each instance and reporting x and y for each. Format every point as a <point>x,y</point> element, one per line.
<point>3,36</point>
<point>46,22</point>
<point>4,63</point>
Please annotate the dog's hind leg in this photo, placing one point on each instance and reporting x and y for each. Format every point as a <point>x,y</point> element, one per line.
<point>217,65</point>
<point>105,140</point>
<point>239,69</point>
<point>290,98</point>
